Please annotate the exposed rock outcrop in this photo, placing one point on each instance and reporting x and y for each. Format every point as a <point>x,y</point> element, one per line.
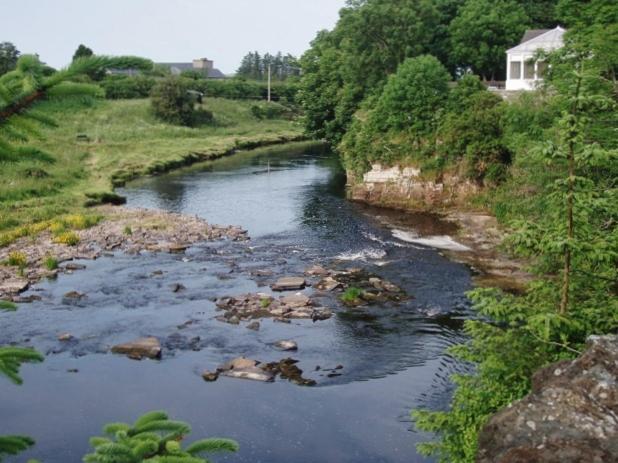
<point>571,415</point>
<point>140,348</point>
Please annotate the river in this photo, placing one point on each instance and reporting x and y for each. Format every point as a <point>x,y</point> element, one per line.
<point>293,205</point>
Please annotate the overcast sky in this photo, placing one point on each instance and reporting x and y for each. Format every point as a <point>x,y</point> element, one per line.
<point>165,30</point>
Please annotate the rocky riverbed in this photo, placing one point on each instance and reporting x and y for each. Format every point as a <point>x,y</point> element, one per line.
<point>128,230</point>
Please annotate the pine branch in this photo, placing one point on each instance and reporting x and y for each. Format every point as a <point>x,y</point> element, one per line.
<point>11,359</point>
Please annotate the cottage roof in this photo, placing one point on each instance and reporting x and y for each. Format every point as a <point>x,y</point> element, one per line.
<point>535,39</point>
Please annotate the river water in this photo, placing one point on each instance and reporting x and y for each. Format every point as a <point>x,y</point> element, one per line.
<point>293,205</point>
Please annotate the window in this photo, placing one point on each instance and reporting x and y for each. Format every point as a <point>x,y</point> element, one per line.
<point>515,70</point>
<point>529,69</point>
<point>541,69</point>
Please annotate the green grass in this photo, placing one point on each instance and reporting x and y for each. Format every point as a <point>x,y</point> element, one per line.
<point>125,141</point>
<point>351,294</point>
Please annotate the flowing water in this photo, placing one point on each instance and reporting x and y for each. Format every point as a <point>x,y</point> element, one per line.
<point>294,207</point>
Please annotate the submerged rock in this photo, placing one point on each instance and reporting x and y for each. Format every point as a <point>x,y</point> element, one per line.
<point>177,287</point>
<point>244,368</point>
<point>287,369</point>
<point>570,416</point>
<point>65,337</point>
<point>255,326</point>
<point>289,284</point>
<point>75,295</point>
<point>73,266</point>
<point>317,270</point>
<point>140,348</point>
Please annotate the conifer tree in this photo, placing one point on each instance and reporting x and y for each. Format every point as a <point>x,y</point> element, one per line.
<point>153,438</point>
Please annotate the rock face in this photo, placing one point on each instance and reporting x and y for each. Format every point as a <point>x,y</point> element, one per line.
<point>405,185</point>
<point>570,416</point>
<point>139,349</point>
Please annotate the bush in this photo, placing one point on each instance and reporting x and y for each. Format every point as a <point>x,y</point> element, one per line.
<point>117,87</point>
<point>172,103</point>
<point>270,111</point>
<point>69,238</point>
<point>476,135</point>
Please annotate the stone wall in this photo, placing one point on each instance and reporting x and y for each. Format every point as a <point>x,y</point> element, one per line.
<point>405,187</point>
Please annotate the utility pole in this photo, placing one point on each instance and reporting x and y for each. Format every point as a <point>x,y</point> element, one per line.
<point>268,82</point>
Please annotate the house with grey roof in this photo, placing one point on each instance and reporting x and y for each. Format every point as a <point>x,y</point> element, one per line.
<point>524,71</point>
<point>203,65</point>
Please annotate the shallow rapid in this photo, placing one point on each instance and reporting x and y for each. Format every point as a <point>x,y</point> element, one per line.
<point>294,207</point>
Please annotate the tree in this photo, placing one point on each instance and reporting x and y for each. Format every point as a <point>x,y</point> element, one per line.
<point>352,62</point>
<point>8,57</point>
<point>153,438</point>
<point>483,31</point>
<point>82,52</point>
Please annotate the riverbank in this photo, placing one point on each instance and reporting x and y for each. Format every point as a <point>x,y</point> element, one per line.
<point>99,144</point>
<point>476,237</point>
<point>128,230</point>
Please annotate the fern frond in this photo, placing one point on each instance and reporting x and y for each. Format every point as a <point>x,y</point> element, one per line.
<point>213,445</point>
<point>12,445</point>
<point>11,359</point>
<point>150,417</point>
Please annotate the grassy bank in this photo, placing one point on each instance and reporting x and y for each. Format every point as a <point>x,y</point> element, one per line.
<point>101,143</point>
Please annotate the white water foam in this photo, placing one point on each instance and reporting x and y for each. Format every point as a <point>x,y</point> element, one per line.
<point>438,242</point>
<point>364,254</point>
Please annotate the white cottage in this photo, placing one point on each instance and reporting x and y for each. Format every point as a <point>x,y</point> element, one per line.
<point>522,71</point>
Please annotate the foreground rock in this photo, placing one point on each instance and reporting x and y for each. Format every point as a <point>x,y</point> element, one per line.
<point>570,416</point>
<point>256,306</point>
<point>150,230</point>
<point>140,348</point>
<point>244,368</point>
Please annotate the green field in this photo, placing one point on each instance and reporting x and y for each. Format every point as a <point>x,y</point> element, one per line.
<point>119,140</point>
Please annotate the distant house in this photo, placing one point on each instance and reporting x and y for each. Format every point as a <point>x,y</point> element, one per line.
<point>523,72</point>
<point>203,65</point>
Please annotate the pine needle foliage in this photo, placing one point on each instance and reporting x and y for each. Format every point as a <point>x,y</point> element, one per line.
<point>13,445</point>
<point>153,438</point>
<point>22,88</point>
<point>11,358</point>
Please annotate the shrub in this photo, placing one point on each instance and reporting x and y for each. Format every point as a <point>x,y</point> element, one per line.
<point>68,237</point>
<point>104,197</point>
<point>17,259</point>
<point>117,87</point>
<point>270,111</point>
<point>351,294</point>
<point>476,135</point>
<point>128,230</point>
<point>171,101</point>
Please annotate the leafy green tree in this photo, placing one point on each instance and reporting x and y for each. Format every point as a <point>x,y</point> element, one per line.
<point>8,57</point>
<point>153,438</point>
<point>542,13</point>
<point>402,120</point>
<point>352,62</point>
<point>82,52</point>
<point>483,31</point>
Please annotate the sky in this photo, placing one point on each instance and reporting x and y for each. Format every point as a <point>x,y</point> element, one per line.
<point>165,30</point>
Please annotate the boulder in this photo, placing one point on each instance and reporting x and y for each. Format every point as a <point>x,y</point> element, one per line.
<point>316,270</point>
<point>210,376</point>
<point>65,337</point>
<point>13,286</point>
<point>296,301</point>
<point>237,363</point>
<point>252,373</point>
<point>289,284</point>
<point>329,284</point>
<point>571,414</point>
<point>140,348</point>
<point>286,345</point>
